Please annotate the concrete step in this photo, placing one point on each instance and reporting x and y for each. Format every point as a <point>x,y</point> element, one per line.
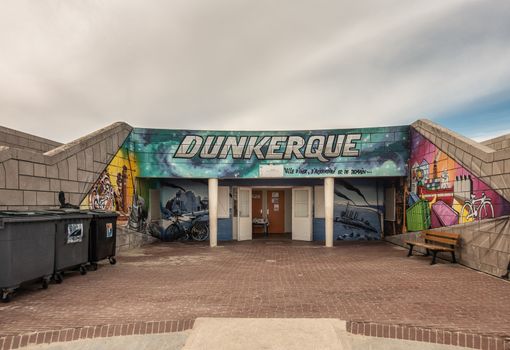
<point>288,334</point>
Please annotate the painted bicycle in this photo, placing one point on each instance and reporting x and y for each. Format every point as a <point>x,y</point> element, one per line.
<point>477,209</point>
<point>185,227</point>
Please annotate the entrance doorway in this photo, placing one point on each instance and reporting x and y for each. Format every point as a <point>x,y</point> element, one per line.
<point>257,213</point>
<point>273,212</point>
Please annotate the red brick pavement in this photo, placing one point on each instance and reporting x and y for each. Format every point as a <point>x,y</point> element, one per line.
<point>372,284</point>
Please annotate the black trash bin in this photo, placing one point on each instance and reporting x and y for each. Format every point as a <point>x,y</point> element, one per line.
<point>27,249</point>
<point>103,237</point>
<point>71,242</point>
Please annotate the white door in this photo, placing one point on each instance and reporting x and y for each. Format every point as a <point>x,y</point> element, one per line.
<point>235,214</point>
<point>244,214</point>
<point>302,214</point>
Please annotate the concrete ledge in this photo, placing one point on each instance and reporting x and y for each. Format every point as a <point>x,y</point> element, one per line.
<point>428,128</point>
<point>498,143</point>
<point>15,138</point>
<point>73,147</point>
<point>266,333</point>
<point>65,151</point>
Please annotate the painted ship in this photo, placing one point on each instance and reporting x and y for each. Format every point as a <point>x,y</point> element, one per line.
<point>351,217</point>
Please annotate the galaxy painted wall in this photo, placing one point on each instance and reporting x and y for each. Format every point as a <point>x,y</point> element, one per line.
<point>443,193</point>
<point>364,152</point>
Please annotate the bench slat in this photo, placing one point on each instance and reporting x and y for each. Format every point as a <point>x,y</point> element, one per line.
<point>440,239</point>
<point>431,246</point>
<point>442,234</point>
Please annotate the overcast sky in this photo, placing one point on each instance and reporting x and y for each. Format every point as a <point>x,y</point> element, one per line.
<point>70,67</point>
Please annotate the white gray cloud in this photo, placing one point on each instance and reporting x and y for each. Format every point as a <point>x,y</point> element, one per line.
<point>68,67</point>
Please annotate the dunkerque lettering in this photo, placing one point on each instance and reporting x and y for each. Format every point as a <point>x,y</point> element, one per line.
<point>321,147</point>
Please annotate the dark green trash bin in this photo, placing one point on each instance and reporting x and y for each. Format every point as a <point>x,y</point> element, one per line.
<point>103,237</point>
<point>27,249</point>
<point>71,241</point>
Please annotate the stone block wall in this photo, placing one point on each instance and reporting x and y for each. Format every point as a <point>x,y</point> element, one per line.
<point>18,139</point>
<point>498,143</point>
<point>31,179</point>
<point>484,245</point>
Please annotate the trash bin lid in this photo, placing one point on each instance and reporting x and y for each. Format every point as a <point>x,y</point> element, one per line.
<point>70,213</point>
<point>103,213</point>
<point>65,210</point>
<point>26,216</point>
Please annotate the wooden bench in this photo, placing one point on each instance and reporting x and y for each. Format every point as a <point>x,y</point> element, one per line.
<point>436,242</point>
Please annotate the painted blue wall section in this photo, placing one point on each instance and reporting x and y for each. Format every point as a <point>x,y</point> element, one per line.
<point>357,210</point>
<point>359,204</point>
<point>318,230</point>
<point>224,229</point>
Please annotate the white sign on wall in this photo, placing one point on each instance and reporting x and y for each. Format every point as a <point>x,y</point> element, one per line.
<point>271,170</point>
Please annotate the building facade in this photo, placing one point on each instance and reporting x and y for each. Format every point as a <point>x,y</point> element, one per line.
<point>316,185</point>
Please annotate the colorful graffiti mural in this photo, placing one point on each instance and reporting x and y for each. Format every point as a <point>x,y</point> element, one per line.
<point>185,210</point>
<point>115,188</point>
<point>358,209</point>
<point>102,195</point>
<point>452,194</point>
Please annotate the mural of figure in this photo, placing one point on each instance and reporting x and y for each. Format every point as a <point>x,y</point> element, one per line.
<point>114,189</point>
<point>444,179</point>
<point>185,212</point>
<point>123,189</point>
<point>138,213</point>
<point>176,205</point>
<point>102,195</point>
<point>186,202</point>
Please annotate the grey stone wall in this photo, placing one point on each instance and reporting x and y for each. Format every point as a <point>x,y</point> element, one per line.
<point>490,165</point>
<point>498,143</point>
<point>31,179</point>
<point>484,245</point>
<point>18,139</point>
<point>129,239</point>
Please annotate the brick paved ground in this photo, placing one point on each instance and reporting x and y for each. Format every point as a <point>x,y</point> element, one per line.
<point>369,281</point>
